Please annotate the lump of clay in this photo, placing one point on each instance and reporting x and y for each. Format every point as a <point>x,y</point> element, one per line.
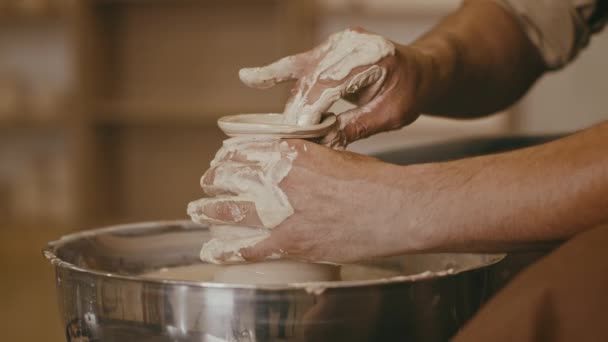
<point>276,272</point>
<point>224,247</point>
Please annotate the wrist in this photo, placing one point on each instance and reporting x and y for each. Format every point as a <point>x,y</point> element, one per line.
<point>406,208</point>
<point>439,59</point>
<point>433,195</point>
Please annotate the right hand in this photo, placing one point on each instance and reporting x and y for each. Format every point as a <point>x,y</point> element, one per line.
<point>305,201</point>
<point>384,80</point>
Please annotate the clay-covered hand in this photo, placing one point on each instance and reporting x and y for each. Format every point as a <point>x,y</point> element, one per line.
<point>383,80</point>
<point>242,184</point>
<point>308,201</point>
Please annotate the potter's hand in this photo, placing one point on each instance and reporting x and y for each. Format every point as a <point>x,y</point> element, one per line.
<point>383,80</point>
<point>318,203</point>
<point>242,184</point>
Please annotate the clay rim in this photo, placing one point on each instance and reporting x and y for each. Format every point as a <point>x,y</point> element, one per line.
<point>49,254</point>
<point>257,124</point>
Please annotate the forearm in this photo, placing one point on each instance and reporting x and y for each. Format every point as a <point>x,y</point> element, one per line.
<point>482,61</point>
<point>495,202</point>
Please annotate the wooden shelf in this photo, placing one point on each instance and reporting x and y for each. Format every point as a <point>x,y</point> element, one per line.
<point>132,113</point>
<point>31,122</point>
<point>31,12</point>
<point>149,79</point>
<point>177,2</point>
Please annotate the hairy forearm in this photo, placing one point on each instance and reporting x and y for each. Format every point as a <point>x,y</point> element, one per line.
<point>482,61</point>
<point>496,202</point>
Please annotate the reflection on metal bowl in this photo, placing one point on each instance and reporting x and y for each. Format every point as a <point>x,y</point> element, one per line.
<point>103,297</point>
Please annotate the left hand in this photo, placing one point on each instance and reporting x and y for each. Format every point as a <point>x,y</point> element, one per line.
<point>341,206</point>
<point>388,83</point>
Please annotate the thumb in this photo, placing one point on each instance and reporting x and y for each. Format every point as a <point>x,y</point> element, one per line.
<point>262,250</point>
<point>362,122</point>
<point>353,124</point>
<point>285,69</point>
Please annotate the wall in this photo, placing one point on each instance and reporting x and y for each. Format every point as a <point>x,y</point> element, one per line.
<point>570,99</point>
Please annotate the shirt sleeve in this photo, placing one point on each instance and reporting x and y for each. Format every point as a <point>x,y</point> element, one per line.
<point>558,28</point>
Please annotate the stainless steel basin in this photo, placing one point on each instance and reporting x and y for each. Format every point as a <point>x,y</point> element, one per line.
<point>103,297</point>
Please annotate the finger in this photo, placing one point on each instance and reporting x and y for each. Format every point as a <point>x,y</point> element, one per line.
<point>209,188</point>
<point>335,140</point>
<point>224,210</point>
<point>250,150</point>
<point>354,124</point>
<point>230,178</point>
<point>228,241</point>
<point>285,69</point>
<point>307,109</point>
<point>360,122</point>
<point>264,249</point>
<point>369,80</point>
<point>233,149</point>
<point>270,156</point>
<point>323,94</point>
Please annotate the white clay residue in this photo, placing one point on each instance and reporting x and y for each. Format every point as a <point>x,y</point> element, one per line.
<point>349,49</point>
<point>227,242</point>
<point>255,179</point>
<point>250,170</point>
<point>343,52</point>
<point>268,76</point>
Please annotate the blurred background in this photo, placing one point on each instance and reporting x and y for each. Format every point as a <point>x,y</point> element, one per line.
<point>108,111</point>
